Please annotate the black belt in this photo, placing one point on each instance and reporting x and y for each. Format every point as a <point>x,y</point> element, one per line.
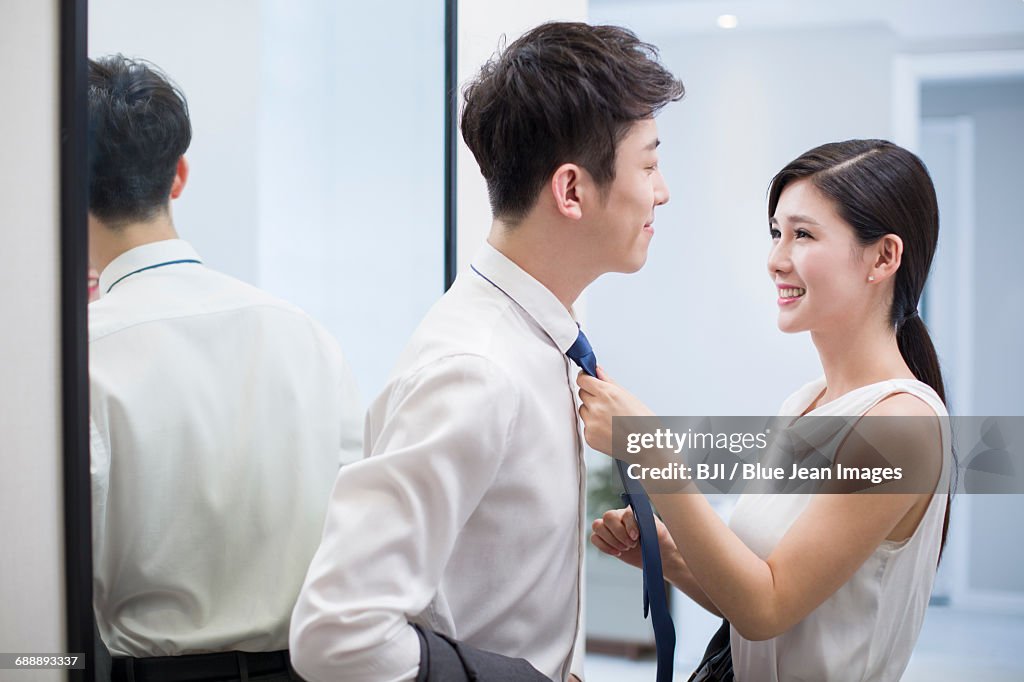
<point>229,665</point>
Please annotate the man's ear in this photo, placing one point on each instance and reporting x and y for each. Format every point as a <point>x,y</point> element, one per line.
<point>887,253</point>
<point>565,188</point>
<point>180,178</point>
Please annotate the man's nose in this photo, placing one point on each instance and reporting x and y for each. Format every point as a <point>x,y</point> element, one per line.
<point>661,195</point>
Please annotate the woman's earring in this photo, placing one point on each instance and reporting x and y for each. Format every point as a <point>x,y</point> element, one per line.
<point>871,278</point>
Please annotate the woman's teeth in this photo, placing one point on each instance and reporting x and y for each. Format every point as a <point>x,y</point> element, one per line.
<point>792,293</point>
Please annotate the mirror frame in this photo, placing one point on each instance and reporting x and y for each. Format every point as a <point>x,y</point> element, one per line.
<point>74,331</point>
<point>74,328</point>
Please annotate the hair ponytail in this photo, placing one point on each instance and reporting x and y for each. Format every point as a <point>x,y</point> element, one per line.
<point>916,347</point>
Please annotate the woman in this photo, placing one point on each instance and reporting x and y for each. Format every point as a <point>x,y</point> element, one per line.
<point>827,586</point>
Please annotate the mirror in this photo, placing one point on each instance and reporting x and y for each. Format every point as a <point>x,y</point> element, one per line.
<point>321,160</point>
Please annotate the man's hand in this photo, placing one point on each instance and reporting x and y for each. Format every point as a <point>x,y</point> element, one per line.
<point>616,533</point>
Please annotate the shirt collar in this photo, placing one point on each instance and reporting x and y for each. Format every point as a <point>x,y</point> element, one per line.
<point>145,256</point>
<point>532,296</point>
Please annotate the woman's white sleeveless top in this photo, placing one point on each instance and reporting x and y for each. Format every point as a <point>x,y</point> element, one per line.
<point>868,628</point>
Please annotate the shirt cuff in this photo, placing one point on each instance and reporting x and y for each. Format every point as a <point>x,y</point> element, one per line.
<point>397,660</point>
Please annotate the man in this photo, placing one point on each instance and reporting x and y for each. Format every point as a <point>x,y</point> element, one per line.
<point>219,416</point>
<point>461,533</point>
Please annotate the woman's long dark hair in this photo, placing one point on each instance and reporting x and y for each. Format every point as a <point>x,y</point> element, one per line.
<point>880,188</point>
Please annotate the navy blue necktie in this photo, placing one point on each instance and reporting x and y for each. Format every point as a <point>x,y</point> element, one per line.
<point>655,599</point>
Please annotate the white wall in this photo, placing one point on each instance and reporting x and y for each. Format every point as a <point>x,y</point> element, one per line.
<point>31,522</point>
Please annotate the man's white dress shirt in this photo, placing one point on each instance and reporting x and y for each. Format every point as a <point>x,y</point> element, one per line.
<point>466,517</point>
<point>219,415</point>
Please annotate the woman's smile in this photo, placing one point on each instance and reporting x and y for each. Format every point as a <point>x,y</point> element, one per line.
<point>789,294</point>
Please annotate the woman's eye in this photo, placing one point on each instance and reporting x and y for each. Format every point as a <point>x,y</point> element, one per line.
<point>799,234</point>
<point>774,233</point>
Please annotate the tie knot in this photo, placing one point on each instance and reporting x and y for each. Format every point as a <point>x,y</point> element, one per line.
<point>583,354</point>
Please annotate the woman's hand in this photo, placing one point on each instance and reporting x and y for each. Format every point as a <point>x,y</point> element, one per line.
<point>603,399</point>
<point>617,535</point>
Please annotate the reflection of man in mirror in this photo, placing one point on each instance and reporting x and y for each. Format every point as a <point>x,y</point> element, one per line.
<point>219,416</point>
<point>454,551</point>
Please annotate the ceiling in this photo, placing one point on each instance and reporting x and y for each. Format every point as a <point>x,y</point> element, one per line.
<point>910,19</point>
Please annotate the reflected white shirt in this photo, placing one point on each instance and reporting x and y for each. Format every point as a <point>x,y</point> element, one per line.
<point>218,416</point>
<point>467,515</point>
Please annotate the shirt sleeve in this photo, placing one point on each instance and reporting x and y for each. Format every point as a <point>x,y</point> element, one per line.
<point>394,518</point>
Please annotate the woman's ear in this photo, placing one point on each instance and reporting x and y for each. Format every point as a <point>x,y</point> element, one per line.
<point>887,254</point>
<point>566,190</point>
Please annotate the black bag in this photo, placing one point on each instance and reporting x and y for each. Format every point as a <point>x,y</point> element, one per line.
<point>716,666</point>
